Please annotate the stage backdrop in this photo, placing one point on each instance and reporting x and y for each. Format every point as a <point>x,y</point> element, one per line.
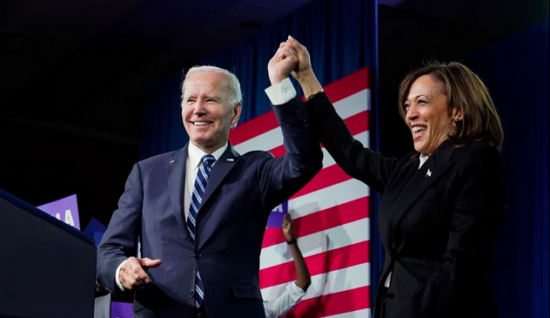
<point>516,72</point>
<point>331,216</point>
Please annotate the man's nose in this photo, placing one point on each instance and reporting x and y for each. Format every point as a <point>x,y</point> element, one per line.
<point>198,108</point>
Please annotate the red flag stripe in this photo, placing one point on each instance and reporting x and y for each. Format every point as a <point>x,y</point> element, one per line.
<point>332,304</point>
<point>332,260</point>
<point>348,85</point>
<point>336,91</point>
<point>324,178</point>
<point>358,123</point>
<point>253,128</point>
<point>320,221</point>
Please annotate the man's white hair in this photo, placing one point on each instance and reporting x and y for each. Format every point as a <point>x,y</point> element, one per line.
<point>234,86</point>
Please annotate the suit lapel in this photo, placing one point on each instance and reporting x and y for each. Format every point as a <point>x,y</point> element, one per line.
<point>219,172</point>
<point>175,171</point>
<point>436,166</point>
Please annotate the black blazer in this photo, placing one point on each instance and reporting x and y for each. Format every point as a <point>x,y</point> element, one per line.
<point>438,224</point>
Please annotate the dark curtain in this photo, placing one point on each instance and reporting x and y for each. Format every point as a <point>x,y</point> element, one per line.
<point>339,34</point>
<point>516,73</point>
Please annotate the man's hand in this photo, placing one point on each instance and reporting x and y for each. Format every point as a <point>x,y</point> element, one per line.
<point>303,72</point>
<point>282,63</point>
<point>133,272</point>
<point>304,61</point>
<point>287,228</point>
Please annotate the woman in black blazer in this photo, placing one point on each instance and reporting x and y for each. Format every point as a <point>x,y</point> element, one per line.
<point>442,205</point>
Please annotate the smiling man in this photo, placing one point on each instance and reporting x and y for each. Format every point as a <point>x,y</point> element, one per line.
<point>189,207</point>
<point>211,105</point>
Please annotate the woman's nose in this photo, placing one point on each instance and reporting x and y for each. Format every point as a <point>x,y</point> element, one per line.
<point>412,113</point>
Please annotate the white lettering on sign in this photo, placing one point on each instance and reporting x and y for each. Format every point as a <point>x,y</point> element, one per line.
<point>69,217</point>
<point>279,209</point>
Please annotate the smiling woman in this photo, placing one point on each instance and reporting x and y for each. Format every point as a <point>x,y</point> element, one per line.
<point>453,102</point>
<point>442,205</point>
<point>427,114</point>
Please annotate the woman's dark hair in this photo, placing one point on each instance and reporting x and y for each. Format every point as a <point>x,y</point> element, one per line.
<point>467,94</point>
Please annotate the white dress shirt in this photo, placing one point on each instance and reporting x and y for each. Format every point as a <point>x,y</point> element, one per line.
<point>194,156</point>
<point>423,159</point>
<point>283,304</point>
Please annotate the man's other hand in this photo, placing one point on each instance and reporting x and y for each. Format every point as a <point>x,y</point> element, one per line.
<point>133,272</point>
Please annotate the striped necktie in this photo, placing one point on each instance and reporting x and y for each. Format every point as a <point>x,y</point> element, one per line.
<point>196,201</point>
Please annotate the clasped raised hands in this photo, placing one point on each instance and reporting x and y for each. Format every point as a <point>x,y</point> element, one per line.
<point>293,58</point>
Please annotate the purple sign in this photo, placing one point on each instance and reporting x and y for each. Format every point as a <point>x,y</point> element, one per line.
<point>121,310</point>
<point>277,215</point>
<point>65,209</point>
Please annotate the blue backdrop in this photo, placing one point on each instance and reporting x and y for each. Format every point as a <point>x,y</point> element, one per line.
<point>338,33</point>
<point>516,73</point>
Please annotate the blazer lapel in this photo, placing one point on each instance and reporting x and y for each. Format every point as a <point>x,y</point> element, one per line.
<point>219,171</point>
<point>436,166</point>
<point>175,171</point>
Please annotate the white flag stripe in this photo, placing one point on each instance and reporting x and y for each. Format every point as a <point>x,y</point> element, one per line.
<point>266,141</point>
<point>329,161</point>
<point>327,198</point>
<point>365,313</point>
<point>347,107</point>
<point>319,242</point>
<point>328,283</point>
<point>353,104</point>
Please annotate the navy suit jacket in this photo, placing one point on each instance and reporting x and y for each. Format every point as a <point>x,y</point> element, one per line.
<point>438,223</point>
<point>241,192</point>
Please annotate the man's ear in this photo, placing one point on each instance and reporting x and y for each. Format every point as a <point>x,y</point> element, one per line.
<point>236,113</point>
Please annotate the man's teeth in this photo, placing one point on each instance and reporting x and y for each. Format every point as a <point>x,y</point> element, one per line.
<point>200,123</point>
<point>418,128</point>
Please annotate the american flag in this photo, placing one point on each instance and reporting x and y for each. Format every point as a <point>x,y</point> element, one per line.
<point>331,216</point>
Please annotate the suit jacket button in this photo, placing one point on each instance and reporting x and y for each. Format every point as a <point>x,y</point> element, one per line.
<point>197,256</point>
<point>191,293</point>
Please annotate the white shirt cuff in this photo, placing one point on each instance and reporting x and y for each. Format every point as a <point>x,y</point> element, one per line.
<point>117,273</point>
<point>295,292</point>
<point>281,93</point>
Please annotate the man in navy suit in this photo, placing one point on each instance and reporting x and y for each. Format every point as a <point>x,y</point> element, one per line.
<point>197,261</point>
